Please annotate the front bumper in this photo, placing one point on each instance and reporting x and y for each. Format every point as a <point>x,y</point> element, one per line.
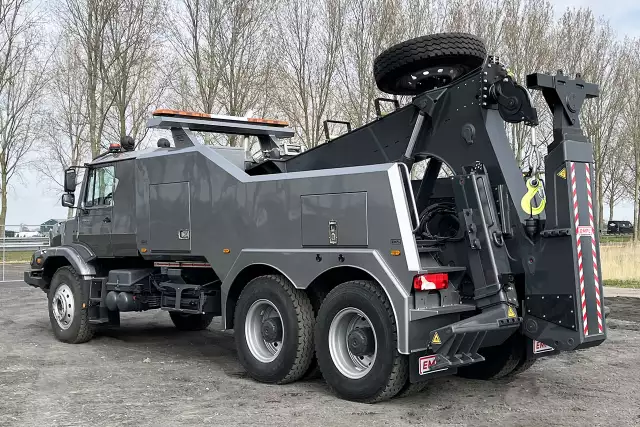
<point>35,279</point>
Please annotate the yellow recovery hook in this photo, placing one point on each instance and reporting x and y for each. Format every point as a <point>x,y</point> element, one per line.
<point>534,187</point>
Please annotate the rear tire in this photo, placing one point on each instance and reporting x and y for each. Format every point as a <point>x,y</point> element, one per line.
<point>411,389</point>
<point>508,358</point>
<point>316,297</point>
<point>190,322</point>
<point>68,309</point>
<point>272,302</point>
<point>375,372</point>
<point>417,65</point>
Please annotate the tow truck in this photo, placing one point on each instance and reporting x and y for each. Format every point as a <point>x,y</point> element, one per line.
<point>334,260</point>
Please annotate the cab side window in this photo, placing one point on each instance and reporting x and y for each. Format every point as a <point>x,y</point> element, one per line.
<point>101,184</point>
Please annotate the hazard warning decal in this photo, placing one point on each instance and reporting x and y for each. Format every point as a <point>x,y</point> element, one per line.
<point>436,339</point>
<point>563,173</point>
<point>511,313</point>
<point>540,347</point>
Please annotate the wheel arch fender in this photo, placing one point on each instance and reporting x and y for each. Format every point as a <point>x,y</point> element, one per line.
<point>231,289</point>
<point>312,275</point>
<point>54,258</point>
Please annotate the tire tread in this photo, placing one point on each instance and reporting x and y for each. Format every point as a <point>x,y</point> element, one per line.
<point>87,330</point>
<point>396,59</point>
<point>306,320</point>
<point>400,369</point>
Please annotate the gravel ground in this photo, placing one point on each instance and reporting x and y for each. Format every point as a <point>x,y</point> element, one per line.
<point>148,374</point>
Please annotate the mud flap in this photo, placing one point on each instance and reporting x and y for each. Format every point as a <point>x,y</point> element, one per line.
<point>537,349</point>
<point>563,287</point>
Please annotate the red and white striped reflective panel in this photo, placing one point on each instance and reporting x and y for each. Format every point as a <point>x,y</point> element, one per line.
<point>593,249</point>
<point>576,214</point>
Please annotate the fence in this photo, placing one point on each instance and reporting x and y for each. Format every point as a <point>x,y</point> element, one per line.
<point>619,255</point>
<point>17,244</point>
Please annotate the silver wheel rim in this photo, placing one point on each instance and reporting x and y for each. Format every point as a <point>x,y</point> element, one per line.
<point>350,365</point>
<point>262,350</point>
<point>63,306</point>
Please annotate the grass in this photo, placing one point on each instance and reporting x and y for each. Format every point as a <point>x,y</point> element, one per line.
<point>19,256</point>
<point>631,284</point>
<point>615,238</point>
<point>621,264</point>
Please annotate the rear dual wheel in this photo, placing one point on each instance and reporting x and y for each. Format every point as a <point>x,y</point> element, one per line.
<point>356,343</point>
<point>274,330</point>
<point>506,359</point>
<point>355,338</point>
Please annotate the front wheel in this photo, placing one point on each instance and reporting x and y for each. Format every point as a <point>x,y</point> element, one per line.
<point>356,343</point>
<point>67,310</point>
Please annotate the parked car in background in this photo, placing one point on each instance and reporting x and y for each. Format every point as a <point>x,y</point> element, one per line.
<point>619,227</point>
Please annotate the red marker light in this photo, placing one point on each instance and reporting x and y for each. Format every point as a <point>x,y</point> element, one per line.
<point>431,281</point>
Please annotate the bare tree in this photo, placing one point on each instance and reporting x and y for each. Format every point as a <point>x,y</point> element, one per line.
<point>309,47</point>
<point>480,17</point>
<point>22,80</point>
<point>598,60</point>
<point>370,27</point>
<point>66,141</point>
<point>86,21</point>
<point>526,33</point>
<point>134,79</point>
<point>632,123</point>
<point>223,54</point>
<point>615,176</point>
<point>193,31</point>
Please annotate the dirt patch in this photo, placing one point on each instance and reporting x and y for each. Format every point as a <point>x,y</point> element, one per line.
<point>624,308</point>
<point>146,373</point>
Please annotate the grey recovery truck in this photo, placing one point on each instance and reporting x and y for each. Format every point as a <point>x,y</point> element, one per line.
<point>335,260</point>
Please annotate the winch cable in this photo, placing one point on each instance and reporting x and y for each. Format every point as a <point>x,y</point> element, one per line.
<point>446,210</point>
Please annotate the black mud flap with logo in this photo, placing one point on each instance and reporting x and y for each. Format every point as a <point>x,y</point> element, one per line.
<point>424,366</point>
<point>537,349</point>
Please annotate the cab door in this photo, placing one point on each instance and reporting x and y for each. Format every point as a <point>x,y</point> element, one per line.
<point>95,217</point>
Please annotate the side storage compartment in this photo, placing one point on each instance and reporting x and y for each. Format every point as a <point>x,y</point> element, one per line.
<point>335,219</point>
<point>170,218</point>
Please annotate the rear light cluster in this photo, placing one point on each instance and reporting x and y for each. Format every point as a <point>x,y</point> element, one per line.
<point>431,281</point>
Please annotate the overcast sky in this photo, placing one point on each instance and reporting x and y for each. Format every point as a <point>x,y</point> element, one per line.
<point>31,203</point>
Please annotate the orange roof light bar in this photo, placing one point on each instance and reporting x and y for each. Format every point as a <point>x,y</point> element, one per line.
<point>192,114</point>
<point>268,121</point>
<point>167,112</point>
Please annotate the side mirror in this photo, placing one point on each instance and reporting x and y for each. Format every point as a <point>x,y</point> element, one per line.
<point>70,180</point>
<point>68,200</point>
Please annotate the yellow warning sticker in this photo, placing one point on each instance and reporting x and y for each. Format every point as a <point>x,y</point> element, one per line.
<point>436,339</point>
<point>563,173</point>
<point>511,312</point>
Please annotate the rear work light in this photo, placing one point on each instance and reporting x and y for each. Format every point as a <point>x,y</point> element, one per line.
<point>431,281</point>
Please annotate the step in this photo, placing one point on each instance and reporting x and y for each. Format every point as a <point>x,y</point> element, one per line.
<point>457,344</point>
<point>421,313</point>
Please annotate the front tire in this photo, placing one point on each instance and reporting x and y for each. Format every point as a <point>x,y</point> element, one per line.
<point>356,343</point>
<point>67,308</point>
<point>273,325</point>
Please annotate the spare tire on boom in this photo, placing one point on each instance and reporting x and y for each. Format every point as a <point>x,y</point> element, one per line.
<point>427,62</point>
